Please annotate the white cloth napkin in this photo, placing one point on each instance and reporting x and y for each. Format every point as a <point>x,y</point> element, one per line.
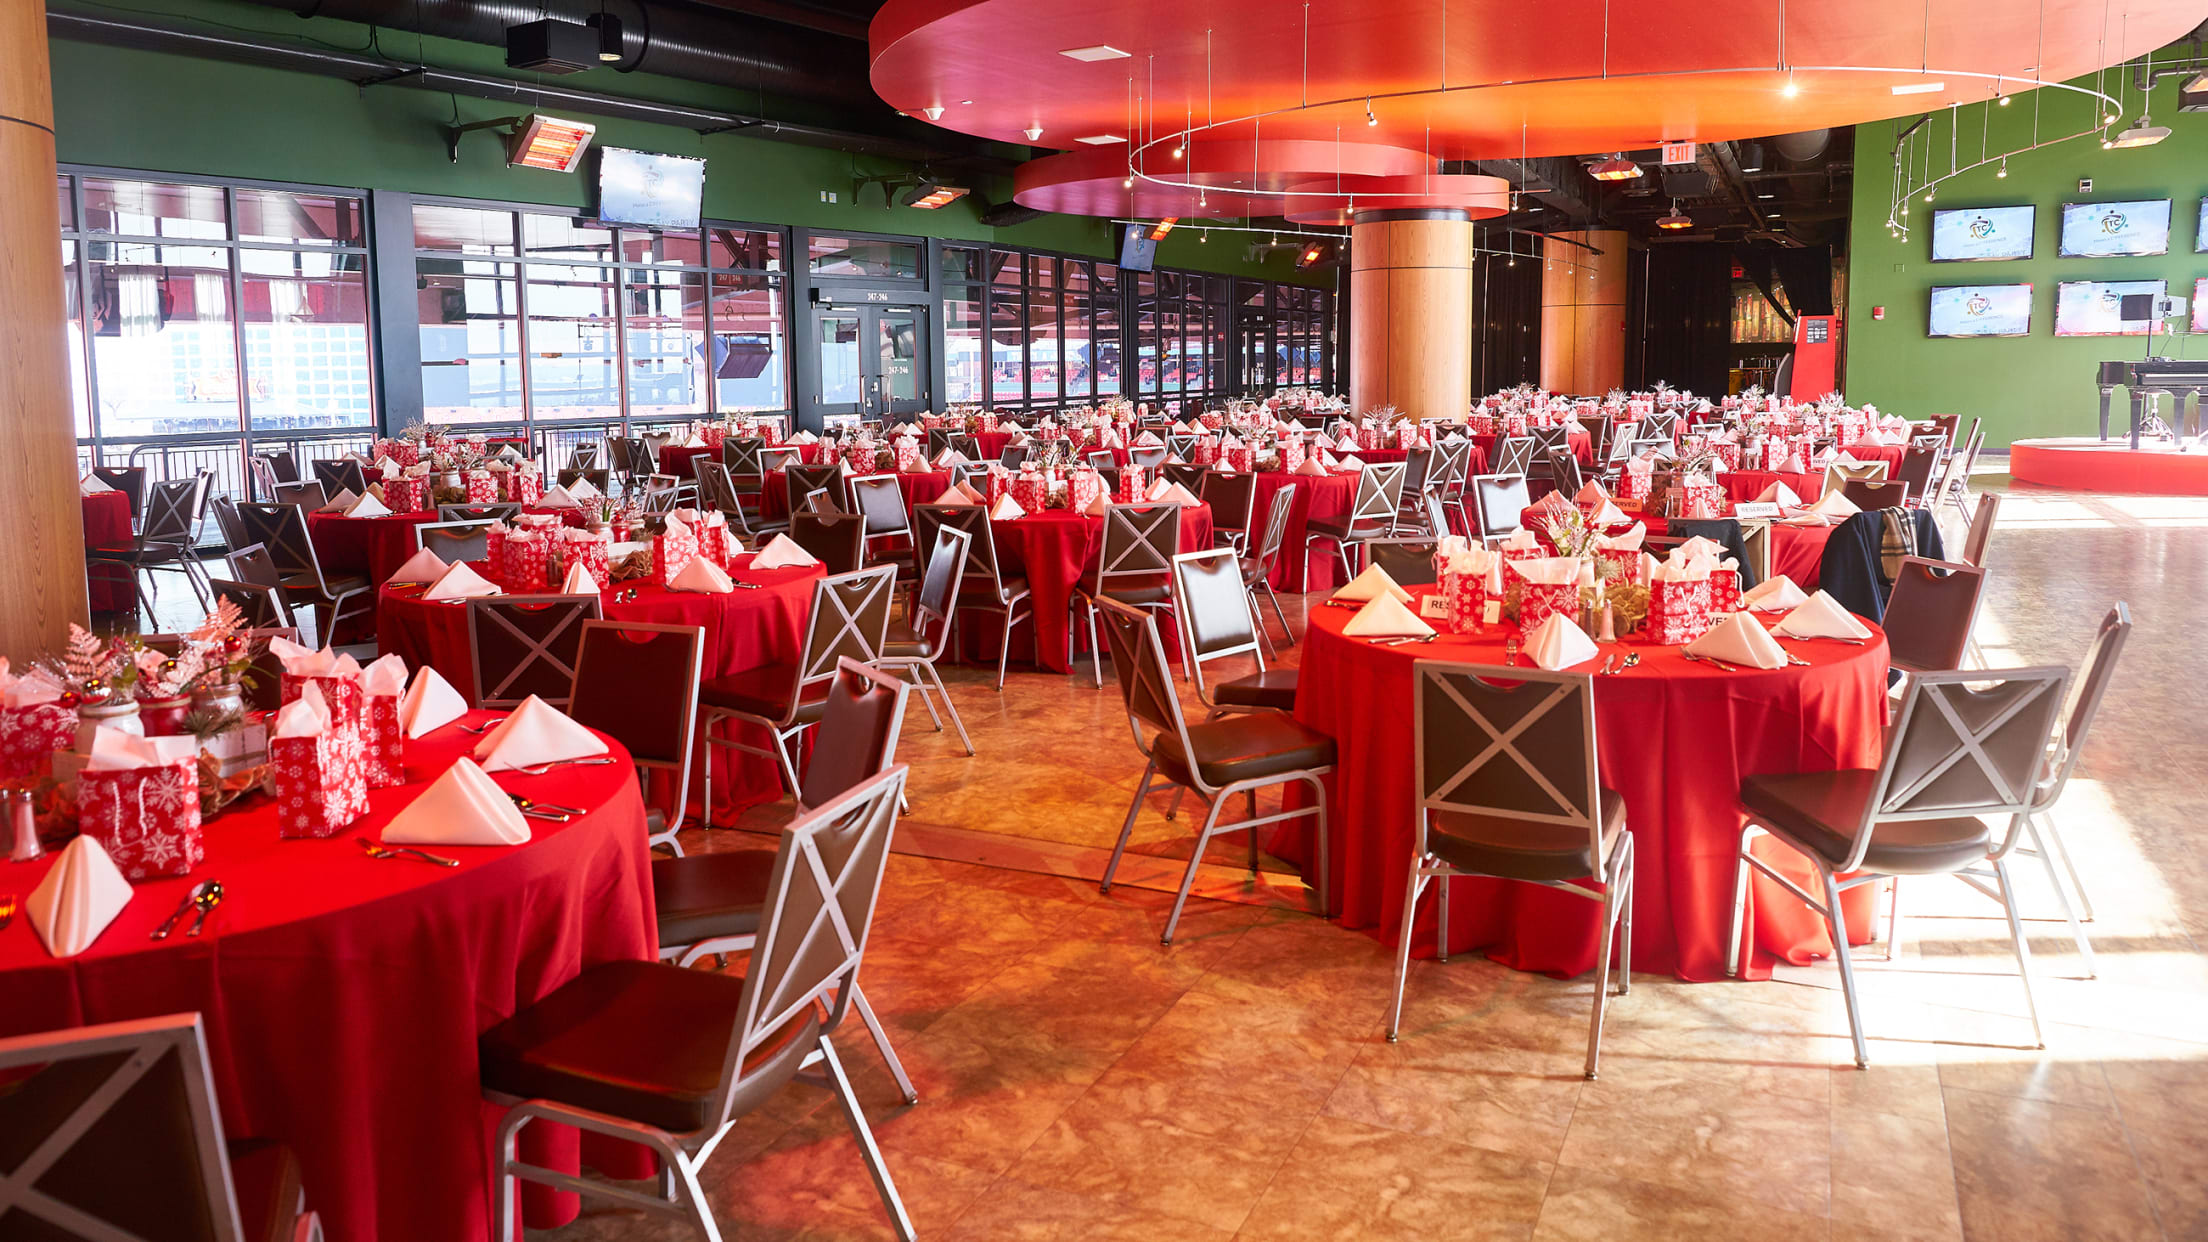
<point>430,703</point>
<point>1101,506</point>
<point>1821,616</point>
<point>803,437</point>
<point>1175,494</point>
<point>460,582</point>
<point>1369,585</point>
<point>781,552</point>
<point>1591,494</point>
<point>1547,570</point>
<point>960,493</point>
<point>1320,440</point>
<point>306,716</point>
<point>581,489</point>
<point>1349,461</point>
<point>700,575</point>
<point>1386,617</point>
<point>557,497</point>
<point>1779,494</point>
<point>463,807</point>
<point>423,566</point>
<point>1149,439</point>
<point>1311,466</point>
<point>1777,594</point>
<point>368,507</point>
<point>1006,509</point>
<point>90,485</point>
<point>536,732</point>
<point>1835,504</point>
<point>1740,639</point>
<point>344,500</point>
<point>579,582</point>
<point>1608,514</point>
<point>949,457</point>
<point>693,442</point>
<point>1559,643</point>
<point>78,898</point>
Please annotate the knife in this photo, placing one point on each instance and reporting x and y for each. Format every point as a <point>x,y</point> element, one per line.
<point>182,908</point>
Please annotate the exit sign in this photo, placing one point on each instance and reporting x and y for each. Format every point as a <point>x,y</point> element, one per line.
<point>1678,153</point>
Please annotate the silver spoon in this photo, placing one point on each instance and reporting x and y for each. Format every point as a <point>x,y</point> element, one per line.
<point>406,851</point>
<point>542,768</point>
<point>177,916</point>
<point>205,901</point>
<point>1631,659</point>
<point>485,727</point>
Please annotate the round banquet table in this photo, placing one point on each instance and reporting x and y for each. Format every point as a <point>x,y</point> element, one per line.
<point>107,526</point>
<point>919,486</point>
<point>1056,551</point>
<point>364,547</point>
<point>1581,444</point>
<point>744,629</point>
<point>1746,485</point>
<point>1317,496</point>
<point>342,995</point>
<point>1796,551</point>
<point>1674,738</point>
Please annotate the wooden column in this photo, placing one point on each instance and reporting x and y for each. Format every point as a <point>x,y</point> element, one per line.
<point>1583,312</point>
<point>1410,331</point>
<point>41,522</point>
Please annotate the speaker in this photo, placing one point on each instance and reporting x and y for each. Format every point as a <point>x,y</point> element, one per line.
<point>551,47</point>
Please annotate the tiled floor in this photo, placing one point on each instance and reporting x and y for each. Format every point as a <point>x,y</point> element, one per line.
<point>1078,1081</point>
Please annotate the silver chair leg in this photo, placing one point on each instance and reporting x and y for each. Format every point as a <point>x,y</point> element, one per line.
<point>782,747</point>
<point>1733,963</point>
<point>1403,947</point>
<point>881,1044</point>
<point>2053,837</point>
<point>2062,897</point>
<point>1611,909</point>
<point>693,1198</point>
<point>1096,653</point>
<point>948,706</point>
<point>1839,930</point>
<point>1173,808</point>
<point>1288,635</point>
<point>2023,952</point>
<point>1127,829</point>
<point>1004,649</point>
<point>1252,833</point>
<point>1625,947</point>
<point>1195,860</point>
<point>927,695</point>
<point>852,1113</point>
<point>1441,916</point>
<point>1893,920</point>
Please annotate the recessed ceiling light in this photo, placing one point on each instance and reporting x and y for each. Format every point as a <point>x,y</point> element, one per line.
<point>1919,88</point>
<point>1101,140</point>
<point>1766,196</point>
<point>1101,51</point>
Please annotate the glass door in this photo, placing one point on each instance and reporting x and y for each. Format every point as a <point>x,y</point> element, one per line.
<point>900,335</point>
<point>842,364</point>
<point>872,360</point>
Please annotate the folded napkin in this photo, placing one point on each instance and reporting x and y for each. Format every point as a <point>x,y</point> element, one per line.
<point>536,732</point>
<point>961,493</point>
<point>460,582</point>
<point>1175,494</point>
<point>949,457</point>
<point>1101,506</point>
<point>1834,504</point>
<point>78,898</point>
<point>1320,440</point>
<point>1591,495</point>
<point>387,467</point>
<point>91,485</point>
<point>1821,616</point>
<point>301,661</point>
<point>581,490</point>
<point>803,437</point>
<point>1349,461</point>
<point>700,575</point>
<point>1386,617</point>
<point>368,506</point>
<point>345,499</point>
<point>1776,594</point>
<point>1739,639</point>
<point>463,807</point>
<point>116,751</point>
<point>693,442</point>
<point>1779,494</point>
<point>1310,466</point>
<point>579,581</point>
<point>781,552</point>
<point>1006,509</point>
<point>1149,439</point>
<point>1369,585</point>
<point>1559,643</point>
<point>1548,570</point>
<point>423,566</point>
<point>1627,541</point>
<point>1607,514</point>
<point>430,703</point>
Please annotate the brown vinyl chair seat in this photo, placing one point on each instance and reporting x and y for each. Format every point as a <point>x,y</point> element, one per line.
<point>1140,592</point>
<point>1518,849</point>
<point>708,896</point>
<point>974,591</point>
<point>764,691</point>
<point>1255,570</point>
<point>641,1041</point>
<point>265,1176</point>
<point>1819,811</point>
<point>296,583</point>
<point>1342,528</point>
<point>1240,748</point>
<point>908,646</point>
<point>1273,687</point>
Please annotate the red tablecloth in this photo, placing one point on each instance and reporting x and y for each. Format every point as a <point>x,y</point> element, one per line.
<point>1056,552</point>
<point>1740,485</point>
<point>744,629</point>
<point>343,995</point>
<point>1674,738</point>
<point>1796,551</point>
<point>107,525</point>
<point>920,487</point>
<point>675,459</point>
<point>1328,496</point>
<point>370,547</point>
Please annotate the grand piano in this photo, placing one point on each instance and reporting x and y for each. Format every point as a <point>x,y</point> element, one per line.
<point>2147,378</point>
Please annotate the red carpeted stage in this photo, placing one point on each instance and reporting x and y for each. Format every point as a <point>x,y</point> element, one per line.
<point>2090,465</point>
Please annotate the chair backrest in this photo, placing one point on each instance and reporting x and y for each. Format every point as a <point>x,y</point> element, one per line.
<point>661,492</point>
<point>89,1105</point>
<point>583,456</point>
<point>171,507</point>
<point>505,511</point>
<point>1917,464</point>
<point>455,541</point>
<point>858,731</point>
<point>716,489</point>
<point>600,477</point>
<point>1663,426</point>
<point>227,521</point>
<point>261,605</point>
<point>526,644</point>
<point>1145,681</point>
<point>340,474</point>
<point>1838,473</point>
<point>941,571</point>
<point>939,439</point>
<point>1147,456</point>
<point>283,467</point>
<point>1379,493</point>
<point>1964,742</point>
<point>1231,497</point>
<point>1498,502</point>
<point>1981,528</point>
<point>638,683</point>
<point>1547,440</point>
<point>1407,559</point>
<point>1417,466</point>
<point>981,559</point>
<point>1101,459</point>
<point>1212,610</point>
<point>1948,425</point>
<point>1930,612</point>
<point>129,480</point>
<point>1876,494</point>
<point>263,472</point>
<point>1515,743</point>
<point>1186,474</point>
<point>1621,445</point>
<point>253,565</point>
<point>849,620</point>
<point>1514,455</point>
<point>1180,444</point>
<point>282,530</point>
<point>1451,465</point>
<point>818,911</point>
<point>2085,700</point>
<point>1140,542</point>
<point>837,540</point>
<point>880,500</point>
<point>1276,525</point>
<point>803,481</point>
<point>1013,457</point>
<point>1564,471</point>
<point>309,495</point>
<point>745,456</point>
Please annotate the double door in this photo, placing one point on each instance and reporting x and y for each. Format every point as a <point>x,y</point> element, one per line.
<point>872,360</point>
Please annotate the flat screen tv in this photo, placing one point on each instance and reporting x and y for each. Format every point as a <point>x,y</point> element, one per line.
<point>2114,230</point>
<point>655,191</point>
<point>1137,253</point>
<point>2200,307</point>
<point>2200,231</point>
<point>1974,233</point>
<point>1980,310</point>
<point>2095,307</point>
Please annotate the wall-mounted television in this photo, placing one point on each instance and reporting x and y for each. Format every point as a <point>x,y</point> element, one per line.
<point>2114,230</point>
<point>2095,307</point>
<point>1980,310</point>
<point>655,191</point>
<point>2200,232</point>
<point>1973,233</point>
<point>2200,307</point>
<point>1137,251</point>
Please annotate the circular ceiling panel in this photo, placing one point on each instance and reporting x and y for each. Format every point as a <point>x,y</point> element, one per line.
<point>1206,178</point>
<point>1336,200</point>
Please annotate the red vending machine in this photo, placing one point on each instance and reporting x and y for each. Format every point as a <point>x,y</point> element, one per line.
<point>1816,356</point>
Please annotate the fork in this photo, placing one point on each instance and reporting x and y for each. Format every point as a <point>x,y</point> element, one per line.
<point>1607,661</point>
<point>397,851</point>
<point>540,769</point>
<point>485,727</point>
<point>1703,659</point>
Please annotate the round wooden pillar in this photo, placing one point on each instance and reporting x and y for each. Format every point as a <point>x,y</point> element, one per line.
<point>42,548</point>
<point>1410,333</point>
<point>1583,312</point>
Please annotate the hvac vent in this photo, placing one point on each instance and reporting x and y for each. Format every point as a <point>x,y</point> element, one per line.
<point>551,47</point>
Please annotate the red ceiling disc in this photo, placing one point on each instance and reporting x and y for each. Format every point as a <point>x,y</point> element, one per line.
<point>1333,201</point>
<point>1210,178</point>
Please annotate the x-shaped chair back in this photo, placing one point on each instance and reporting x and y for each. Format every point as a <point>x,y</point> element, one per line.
<point>1663,426</point>
<point>1180,444</point>
<point>1839,473</point>
<point>583,457</point>
<point>527,644</point>
<point>1140,541</point>
<point>1547,439</point>
<point>1967,742</point>
<point>850,620</point>
<point>964,443</point>
<point>1276,525</point>
<point>2100,667</point>
<point>1564,470</point>
<point>170,508</point>
<point>1515,455</point>
<point>282,530</point>
<point>1146,457</point>
<point>1187,475</point>
<point>264,473</point>
<point>340,474</point>
<point>1379,493</point>
<point>716,488</point>
<point>661,491</point>
<point>1517,743</point>
<point>505,511</point>
<point>803,481</point>
<point>745,456</point>
<point>1451,465</point>
<point>981,558</point>
<point>1621,446</point>
<point>1145,680</point>
<point>309,495</point>
<point>939,438</point>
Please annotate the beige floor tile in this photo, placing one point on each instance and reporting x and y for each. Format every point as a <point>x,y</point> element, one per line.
<point>1350,1182</point>
<point>1583,1205</point>
<point>2026,1169</point>
<point>1704,1136</point>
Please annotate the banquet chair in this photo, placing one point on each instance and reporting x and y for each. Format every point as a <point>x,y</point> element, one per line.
<point>227,521</point>
<point>939,439</point>
<point>164,541</point>
<point>929,624</point>
<point>837,540</point>
<point>1372,514</point>
<point>968,472</point>
<point>1620,451</point>
<point>261,606</point>
<point>1564,471</point>
<point>1981,528</point>
<point>849,618</point>
<point>115,1132</point>
<point>662,493</point>
<point>1013,457</point>
<point>672,1058</point>
<point>985,588</point>
<point>1959,494</point>
<point>1839,473</point>
<point>340,474</point>
<point>270,468</point>
<point>504,511</point>
<point>1186,474</point>
<point>1917,464</point>
<point>1217,618</point>
<point>1146,456</point>
<point>801,481</point>
<point>584,456</point>
<point>1409,559</point>
<point>1180,445</point>
<point>717,489</point>
<point>1949,425</point>
<point>1216,760</point>
<point>1664,426</point>
<point>1101,459</point>
<point>1514,455</point>
<point>1452,472</point>
<point>745,457</point>
<point>130,481</point>
<point>600,478</point>
<point>628,458</point>
<point>964,445</point>
<point>1546,440</point>
<point>879,501</point>
<point>1930,613</point>
<point>1232,498</point>
<point>1257,567</point>
<point>2062,760</point>
<point>1410,512</point>
<point>308,496</point>
<point>1965,744</point>
<point>1499,502</point>
<point>253,566</point>
<point>523,645</point>
<point>638,684</point>
<point>455,541</point>
<point>1510,786</point>
<point>1870,494</point>
<point>1134,567</point>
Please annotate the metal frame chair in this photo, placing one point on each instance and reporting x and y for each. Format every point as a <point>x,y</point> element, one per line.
<point>1917,464</point>
<point>1981,528</point>
<point>1837,474</point>
<point>455,541</point>
<point>835,538</point>
<point>1499,502</point>
<point>984,588</point>
<point>340,474</point>
<point>1409,559</point>
<point>1513,455</point>
<point>879,499</point>
<point>164,540</point>
<point>309,495</point>
<point>1257,569</point>
<point>1451,471</point>
<point>523,645</point>
<point>261,605</point>
<point>1663,426</point>
<point>1372,514</point>
<point>663,493</point>
<point>282,531</point>
<point>2062,760</point>
<point>1232,498</point>
<point>1956,752</point>
<point>800,481</point>
<point>1217,618</point>
<point>638,683</point>
<point>1134,566</point>
<point>1930,613</point>
<point>1960,495</point>
<point>599,477</point>
<point>1510,786</point>
<point>1564,472</point>
<point>501,511</point>
<point>1876,493</point>
<point>130,481</point>
<point>253,567</point>
<point>932,617</point>
<point>1205,758</point>
<point>821,896</point>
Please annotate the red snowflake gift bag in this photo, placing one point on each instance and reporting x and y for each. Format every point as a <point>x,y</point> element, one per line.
<point>139,798</point>
<point>672,549</point>
<point>318,771</point>
<point>33,723</point>
<point>383,746</point>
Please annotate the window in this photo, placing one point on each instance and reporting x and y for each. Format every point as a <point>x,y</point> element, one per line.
<point>963,360</point>
<point>864,256</point>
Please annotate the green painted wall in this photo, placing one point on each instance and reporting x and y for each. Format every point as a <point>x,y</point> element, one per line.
<point>2035,385</point>
<point>176,114</point>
